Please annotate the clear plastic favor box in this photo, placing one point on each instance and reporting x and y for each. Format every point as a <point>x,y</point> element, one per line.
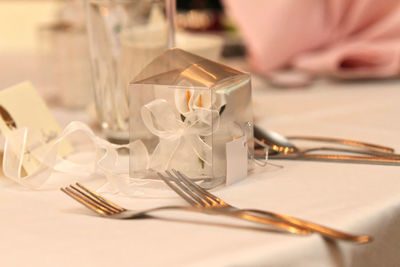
<point>193,115</point>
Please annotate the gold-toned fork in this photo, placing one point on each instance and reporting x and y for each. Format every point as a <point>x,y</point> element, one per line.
<point>344,142</point>
<point>199,197</point>
<point>104,207</point>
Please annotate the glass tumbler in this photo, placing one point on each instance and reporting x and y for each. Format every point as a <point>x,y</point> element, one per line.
<point>124,36</point>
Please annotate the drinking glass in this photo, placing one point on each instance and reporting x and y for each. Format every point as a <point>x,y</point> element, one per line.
<point>124,36</point>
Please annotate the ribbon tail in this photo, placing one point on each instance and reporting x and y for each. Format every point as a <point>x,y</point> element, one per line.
<point>201,148</point>
<point>163,153</point>
<point>17,159</point>
<point>14,148</point>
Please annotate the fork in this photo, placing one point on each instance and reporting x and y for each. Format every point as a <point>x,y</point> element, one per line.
<point>369,146</point>
<point>199,197</point>
<point>104,207</point>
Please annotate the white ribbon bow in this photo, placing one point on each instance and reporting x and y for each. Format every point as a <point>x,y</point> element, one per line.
<point>103,163</point>
<point>162,121</point>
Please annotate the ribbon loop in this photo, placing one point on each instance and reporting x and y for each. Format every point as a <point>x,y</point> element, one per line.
<point>162,121</point>
<point>18,155</point>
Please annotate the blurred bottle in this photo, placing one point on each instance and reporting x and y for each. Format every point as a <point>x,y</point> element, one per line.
<point>65,56</point>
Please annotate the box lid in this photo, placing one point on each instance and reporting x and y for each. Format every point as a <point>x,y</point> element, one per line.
<point>177,67</point>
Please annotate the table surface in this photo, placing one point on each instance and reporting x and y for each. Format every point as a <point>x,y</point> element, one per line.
<point>45,227</point>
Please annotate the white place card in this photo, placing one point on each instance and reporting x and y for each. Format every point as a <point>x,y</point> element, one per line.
<point>22,106</point>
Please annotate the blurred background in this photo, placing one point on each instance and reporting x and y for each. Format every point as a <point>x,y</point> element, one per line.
<point>45,41</point>
<point>286,44</point>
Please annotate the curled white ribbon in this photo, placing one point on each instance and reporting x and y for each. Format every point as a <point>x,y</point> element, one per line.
<point>162,121</point>
<point>104,163</point>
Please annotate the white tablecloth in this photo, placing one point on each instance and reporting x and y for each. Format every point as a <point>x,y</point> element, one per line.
<point>46,228</point>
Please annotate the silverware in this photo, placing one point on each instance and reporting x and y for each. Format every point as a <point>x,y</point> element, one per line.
<point>199,197</point>
<point>343,142</point>
<point>106,208</point>
<point>282,145</point>
<point>335,158</point>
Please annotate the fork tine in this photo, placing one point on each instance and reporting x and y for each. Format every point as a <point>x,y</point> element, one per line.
<point>179,192</point>
<point>195,195</point>
<point>81,200</point>
<point>95,200</point>
<point>194,188</point>
<point>84,196</point>
<point>199,188</point>
<point>100,198</point>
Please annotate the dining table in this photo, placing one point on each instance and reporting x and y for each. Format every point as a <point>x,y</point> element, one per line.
<point>44,227</point>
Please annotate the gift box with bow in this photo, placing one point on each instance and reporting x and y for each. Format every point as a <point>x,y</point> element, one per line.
<point>185,111</point>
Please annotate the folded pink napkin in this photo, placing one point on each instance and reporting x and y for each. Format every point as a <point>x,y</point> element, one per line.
<point>342,38</point>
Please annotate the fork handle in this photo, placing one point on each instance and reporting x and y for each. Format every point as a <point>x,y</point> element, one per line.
<point>356,151</point>
<point>282,225</point>
<point>343,142</point>
<point>340,158</point>
<point>325,231</point>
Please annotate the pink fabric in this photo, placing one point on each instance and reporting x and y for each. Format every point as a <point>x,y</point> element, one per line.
<point>342,38</point>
